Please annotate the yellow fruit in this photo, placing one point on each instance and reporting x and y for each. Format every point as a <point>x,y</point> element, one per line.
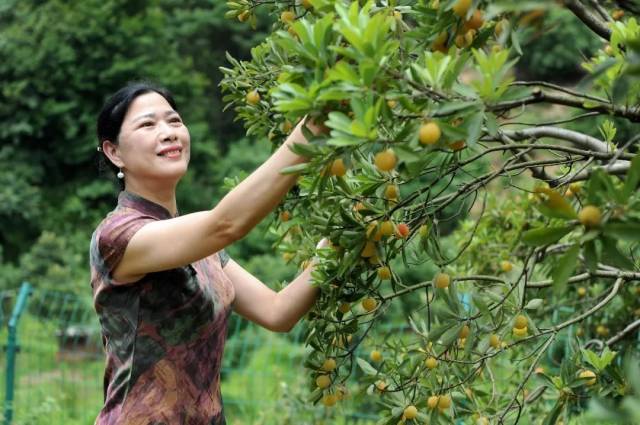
<point>506,266</point>
<point>582,291</point>
<point>462,7</point>
<point>369,304</point>
<point>369,250</point>
<point>590,216</point>
<point>329,400</point>
<point>244,16</point>
<point>344,308</point>
<point>482,420</point>
<point>520,321</point>
<point>391,191</point>
<point>432,402</point>
<point>500,26</point>
<point>287,17</point>
<point>442,280</point>
<point>460,41</point>
<point>602,330</point>
<point>608,50</point>
<point>444,402</point>
<point>575,187</point>
<point>494,341</point>
<point>329,365</point>
<point>464,332</point>
<point>410,412</point>
<point>423,230</point>
<point>287,126</point>
<point>429,133</point>
<point>440,43</point>
<point>374,260</point>
<point>386,228</point>
<point>431,363</point>
<point>539,369</point>
<point>323,381</point>
<point>253,97</point>
<point>376,356</point>
<point>462,342</point>
<point>338,168</point>
<point>520,332</point>
<point>384,273</point>
<point>589,375</point>
<point>307,4</point>
<point>385,160</point>
<point>391,103</point>
<point>381,385</point>
<point>288,256</point>
<point>359,207</point>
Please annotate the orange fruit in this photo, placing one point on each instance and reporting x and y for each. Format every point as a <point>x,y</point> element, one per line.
<point>384,273</point>
<point>344,308</point>
<point>285,216</point>
<point>329,365</point>
<point>391,191</point>
<point>432,402</point>
<point>441,280</point>
<point>444,402</point>
<point>431,363</point>
<point>403,230</point>
<point>307,4</point>
<point>323,381</point>
<point>461,7</point>
<point>329,400</point>
<point>376,356</point>
<point>369,304</point>
<point>464,332</point>
<point>506,266</point>
<point>386,228</point>
<point>287,17</point>
<point>475,22</point>
<point>617,14</point>
<point>410,412</point>
<point>590,216</point>
<point>253,97</point>
<point>429,133</point>
<point>369,250</point>
<point>338,168</point>
<point>385,160</point>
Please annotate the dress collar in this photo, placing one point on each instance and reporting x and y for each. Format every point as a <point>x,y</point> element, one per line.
<point>137,202</point>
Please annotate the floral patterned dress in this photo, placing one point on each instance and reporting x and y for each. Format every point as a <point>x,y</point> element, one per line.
<point>164,334</point>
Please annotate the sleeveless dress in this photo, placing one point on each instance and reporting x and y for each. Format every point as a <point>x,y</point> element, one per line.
<point>163,335</point>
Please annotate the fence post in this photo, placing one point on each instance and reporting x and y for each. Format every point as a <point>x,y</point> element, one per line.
<point>13,348</point>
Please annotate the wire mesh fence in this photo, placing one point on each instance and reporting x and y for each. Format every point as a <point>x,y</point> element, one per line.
<point>59,364</point>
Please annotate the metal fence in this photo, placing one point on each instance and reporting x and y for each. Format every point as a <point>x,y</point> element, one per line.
<point>53,367</point>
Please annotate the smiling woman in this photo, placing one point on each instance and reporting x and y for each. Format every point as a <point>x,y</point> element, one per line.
<point>163,286</point>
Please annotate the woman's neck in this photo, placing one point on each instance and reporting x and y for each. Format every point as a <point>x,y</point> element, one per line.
<point>164,196</point>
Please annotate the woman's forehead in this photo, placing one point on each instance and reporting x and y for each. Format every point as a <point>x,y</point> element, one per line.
<point>148,104</point>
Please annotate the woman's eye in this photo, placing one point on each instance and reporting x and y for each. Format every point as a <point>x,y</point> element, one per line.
<point>176,119</point>
<point>146,124</point>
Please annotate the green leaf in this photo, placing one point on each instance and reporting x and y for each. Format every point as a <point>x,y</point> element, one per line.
<point>474,127</point>
<point>534,304</point>
<point>545,235</point>
<point>633,178</point>
<point>366,367</point>
<point>622,230</point>
<point>591,255</point>
<point>564,268</point>
<point>612,255</point>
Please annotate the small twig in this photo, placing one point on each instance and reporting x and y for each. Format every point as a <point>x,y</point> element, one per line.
<point>617,337</point>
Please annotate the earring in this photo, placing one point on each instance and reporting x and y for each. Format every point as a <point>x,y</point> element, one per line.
<point>120,174</point>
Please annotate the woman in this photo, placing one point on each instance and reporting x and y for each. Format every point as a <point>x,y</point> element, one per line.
<point>163,286</point>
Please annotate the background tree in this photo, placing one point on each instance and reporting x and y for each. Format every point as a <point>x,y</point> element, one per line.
<point>529,299</point>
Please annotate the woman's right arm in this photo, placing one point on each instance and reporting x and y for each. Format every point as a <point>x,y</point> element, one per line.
<point>166,244</point>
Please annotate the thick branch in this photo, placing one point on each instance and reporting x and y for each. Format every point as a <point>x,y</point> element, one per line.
<point>590,19</point>
<point>630,328</point>
<point>575,101</point>
<point>620,168</point>
<point>582,140</point>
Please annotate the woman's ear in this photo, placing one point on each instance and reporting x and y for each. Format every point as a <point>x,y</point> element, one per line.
<point>112,152</point>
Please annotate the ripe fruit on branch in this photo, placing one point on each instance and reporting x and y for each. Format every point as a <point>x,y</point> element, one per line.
<point>475,22</point>
<point>403,230</point>
<point>329,365</point>
<point>441,280</point>
<point>617,14</point>
<point>253,97</point>
<point>392,103</point>
<point>432,402</point>
<point>444,402</point>
<point>381,385</point>
<point>338,168</point>
<point>506,266</point>
<point>323,381</point>
<point>285,216</point>
<point>582,291</point>
<point>410,412</point>
<point>244,16</point>
<point>344,308</point>
<point>461,7</point>
<point>287,17</point>
<point>464,332</point>
<point>386,228</point>
<point>329,400</point>
<point>494,341</point>
<point>440,43</point>
<point>589,375</point>
<point>385,160</point>
<point>520,332</point>
<point>369,250</point>
<point>423,230</point>
<point>376,356</point>
<point>520,321</point>
<point>590,216</point>
<point>369,304</point>
<point>429,133</point>
<point>384,273</point>
<point>307,4</point>
<point>431,363</point>
<point>391,191</point>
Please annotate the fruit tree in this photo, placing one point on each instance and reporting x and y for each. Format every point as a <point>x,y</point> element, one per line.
<point>531,308</point>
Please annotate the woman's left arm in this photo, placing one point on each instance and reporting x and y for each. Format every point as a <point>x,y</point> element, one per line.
<point>276,311</point>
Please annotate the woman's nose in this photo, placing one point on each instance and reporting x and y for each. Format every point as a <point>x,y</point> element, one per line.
<point>166,131</point>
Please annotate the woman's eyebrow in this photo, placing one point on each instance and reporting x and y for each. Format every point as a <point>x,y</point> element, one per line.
<point>153,115</point>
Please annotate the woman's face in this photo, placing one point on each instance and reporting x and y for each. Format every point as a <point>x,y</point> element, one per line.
<point>153,145</point>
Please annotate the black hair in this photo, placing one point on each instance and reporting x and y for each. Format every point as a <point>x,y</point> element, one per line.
<point>113,113</point>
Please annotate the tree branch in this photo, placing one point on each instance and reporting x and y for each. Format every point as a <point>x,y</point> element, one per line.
<point>590,19</point>
<point>582,140</point>
<point>630,328</point>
